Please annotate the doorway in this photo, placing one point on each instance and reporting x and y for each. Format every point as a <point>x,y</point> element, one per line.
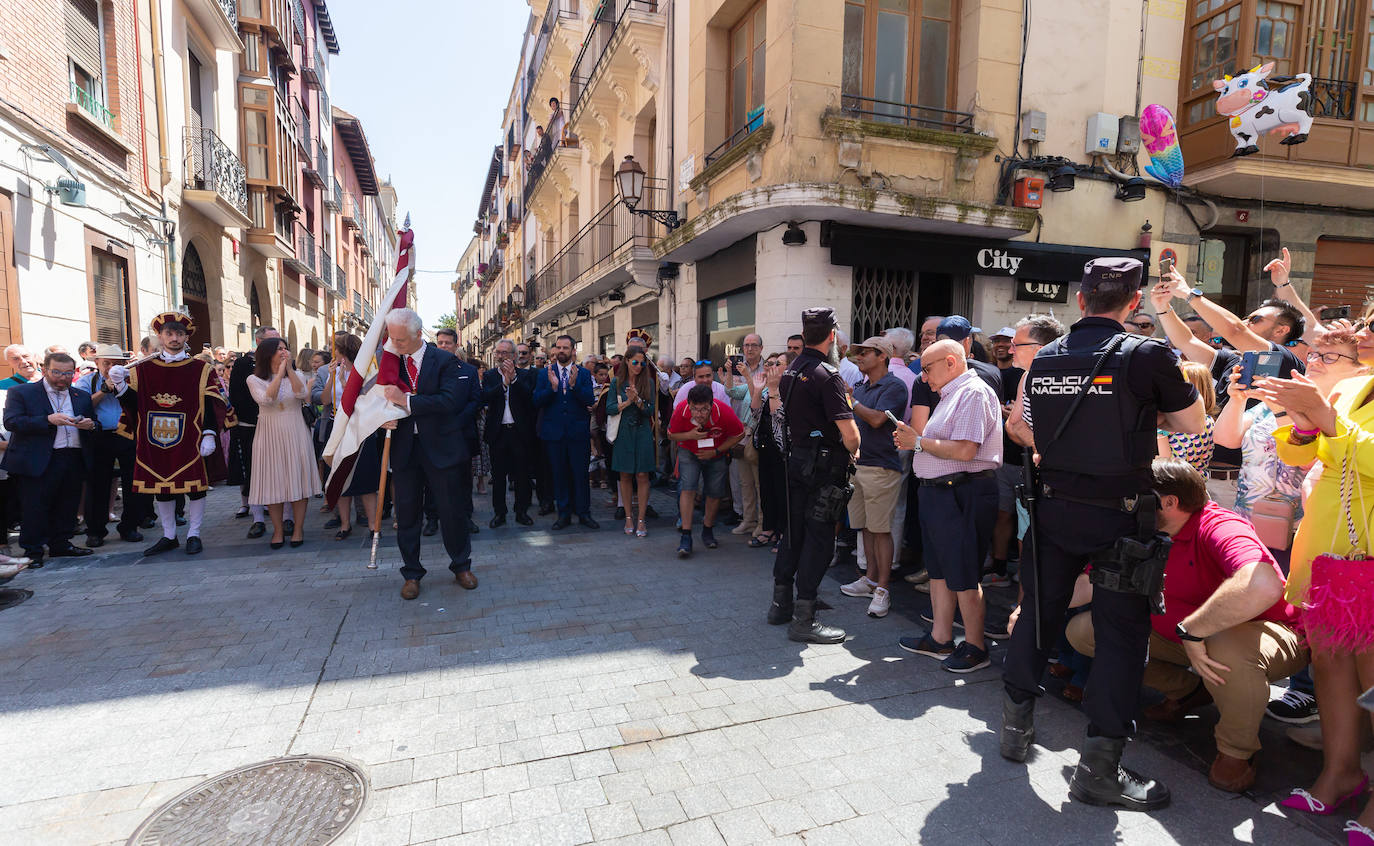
<point>193,291</point>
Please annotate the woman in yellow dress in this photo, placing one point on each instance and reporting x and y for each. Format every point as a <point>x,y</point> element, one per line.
<point>1334,431</point>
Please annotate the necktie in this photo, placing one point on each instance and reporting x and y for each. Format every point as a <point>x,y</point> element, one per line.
<point>563,378</point>
<point>412,373</point>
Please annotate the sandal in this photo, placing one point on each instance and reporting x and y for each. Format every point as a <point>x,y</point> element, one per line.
<point>629,527</point>
<point>343,534</point>
<point>760,541</point>
<point>643,530</point>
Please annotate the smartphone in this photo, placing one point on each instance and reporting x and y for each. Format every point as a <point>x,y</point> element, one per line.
<point>1166,265</point>
<point>1262,365</point>
<point>892,418</point>
<point>736,359</point>
<point>1335,313</point>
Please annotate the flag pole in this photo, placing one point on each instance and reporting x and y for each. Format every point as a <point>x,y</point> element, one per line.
<point>381,498</point>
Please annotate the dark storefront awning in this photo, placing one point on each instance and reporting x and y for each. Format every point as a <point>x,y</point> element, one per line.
<point>856,246</point>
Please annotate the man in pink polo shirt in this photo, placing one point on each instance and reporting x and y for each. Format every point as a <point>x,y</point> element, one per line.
<point>1224,618</point>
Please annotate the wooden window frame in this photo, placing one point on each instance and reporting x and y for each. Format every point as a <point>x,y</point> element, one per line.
<point>9,272</point>
<point>913,78</point>
<point>1301,60</point>
<point>95,240</point>
<point>734,122</point>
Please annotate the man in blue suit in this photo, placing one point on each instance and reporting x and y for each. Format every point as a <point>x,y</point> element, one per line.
<point>564,392</point>
<point>49,453</point>
<point>440,394</point>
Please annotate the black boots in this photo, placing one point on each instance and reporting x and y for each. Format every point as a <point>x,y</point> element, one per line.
<point>781,610</point>
<point>1101,780</point>
<point>1018,728</point>
<point>805,628</point>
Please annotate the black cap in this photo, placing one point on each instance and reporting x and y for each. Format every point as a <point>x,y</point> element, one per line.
<point>822,317</point>
<point>1115,272</point>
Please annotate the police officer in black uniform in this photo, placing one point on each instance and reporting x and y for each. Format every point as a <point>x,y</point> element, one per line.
<point>1095,397</point>
<point>821,439</point>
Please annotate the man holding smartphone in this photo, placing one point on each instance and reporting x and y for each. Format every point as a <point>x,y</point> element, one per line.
<point>878,399</point>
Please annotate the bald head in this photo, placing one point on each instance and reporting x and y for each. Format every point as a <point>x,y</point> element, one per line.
<point>942,362</point>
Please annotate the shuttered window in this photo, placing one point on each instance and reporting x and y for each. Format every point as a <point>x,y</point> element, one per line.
<point>84,41</point>
<point>110,299</point>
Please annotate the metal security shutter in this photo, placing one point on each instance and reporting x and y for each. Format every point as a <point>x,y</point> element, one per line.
<point>1344,274</point>
<point>83,35</point>
<point>882,299</point>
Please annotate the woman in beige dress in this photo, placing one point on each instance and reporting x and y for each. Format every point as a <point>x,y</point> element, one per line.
<point>283,457</point>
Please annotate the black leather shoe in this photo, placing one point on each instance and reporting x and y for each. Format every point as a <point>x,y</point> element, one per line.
<point>148,523</point>
<point>162,545</point>
<point>497,522</point>
<point>181,519</point>
<point>288,526</point>
<point>473,528</point>
<point>431,528</point>
<point>94,542</point>
<point>524,519</point>
<point>545,509</point>
<point>131,537</point>
<point>1101,780</point>
<point>586,520</point>
<point>67,550</point>
<point>257,530</point>
<point>193,545</point>
<point>1018,728</point>
<point>561,523</point>
<point>35,557</point>
<point>333,523</point>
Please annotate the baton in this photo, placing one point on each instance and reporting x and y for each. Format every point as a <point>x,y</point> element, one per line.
<point>1031,494</point>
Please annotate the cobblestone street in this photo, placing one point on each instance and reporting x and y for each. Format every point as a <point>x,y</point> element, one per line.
<point>594,688</point>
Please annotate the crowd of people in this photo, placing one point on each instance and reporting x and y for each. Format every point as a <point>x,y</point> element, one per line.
<point>1258,479</point>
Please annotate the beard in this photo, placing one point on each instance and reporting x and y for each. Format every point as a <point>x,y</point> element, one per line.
<point>834,356</point>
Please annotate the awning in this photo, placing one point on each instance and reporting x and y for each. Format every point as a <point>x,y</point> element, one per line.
<point>856,246</point>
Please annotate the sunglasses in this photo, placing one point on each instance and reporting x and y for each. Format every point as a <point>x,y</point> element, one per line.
<point>705,362</point>
<point>635,362</point>
<point>1256,318</point>
<point>1142,324</point>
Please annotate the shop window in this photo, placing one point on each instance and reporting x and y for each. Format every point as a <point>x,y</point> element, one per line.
<point>1231,268</point>
<point>725,320</point>
<point>899,53</point>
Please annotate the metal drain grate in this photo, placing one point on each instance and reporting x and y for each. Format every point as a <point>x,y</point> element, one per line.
<point>296,801</point>
<point>10,597</point>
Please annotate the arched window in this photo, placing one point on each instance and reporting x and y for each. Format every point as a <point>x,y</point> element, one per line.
<point>193,275</point>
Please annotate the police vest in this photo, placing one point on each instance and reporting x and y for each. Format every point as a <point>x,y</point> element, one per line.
<point>1110,436</point>
<point>803,409</point>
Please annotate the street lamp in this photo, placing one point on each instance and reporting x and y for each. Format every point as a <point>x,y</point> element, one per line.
<point>517,296</point>
<point>629,181</point>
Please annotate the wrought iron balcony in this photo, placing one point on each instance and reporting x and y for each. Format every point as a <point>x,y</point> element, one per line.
<point>326,268</point>
<point>332,198</point>
<point>216,180</point>
<point>304,259</point>
<point>310,57</point>
<point>92,107</point>
<point>609,17</point>
<point>906,114</point>
<point>348,210</point>
<point>340,282</point>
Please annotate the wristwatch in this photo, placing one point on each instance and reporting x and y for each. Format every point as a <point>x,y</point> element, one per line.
<point>918,448</point>
<point>1194,292</point>
<point>1183,634</point>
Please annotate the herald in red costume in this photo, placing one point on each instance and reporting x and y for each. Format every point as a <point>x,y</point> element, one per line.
<point>168,406</point>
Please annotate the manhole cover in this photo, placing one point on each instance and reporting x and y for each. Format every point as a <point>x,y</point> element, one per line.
<point>297,801</point>
<point>10,597</point>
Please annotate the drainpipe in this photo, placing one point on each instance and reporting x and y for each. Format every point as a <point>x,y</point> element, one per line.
<point>164,169</point>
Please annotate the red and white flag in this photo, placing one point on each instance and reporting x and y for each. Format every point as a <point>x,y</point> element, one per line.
<point>363,409</point>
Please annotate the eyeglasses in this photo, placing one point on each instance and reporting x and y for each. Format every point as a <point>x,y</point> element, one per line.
<point>634,362</point>
<point>61,373</point>
<point>1142,324</point>
<point>1256,318</point>
<point>1330,358</point>
<point>705,362</point>
<point>1026,344</point>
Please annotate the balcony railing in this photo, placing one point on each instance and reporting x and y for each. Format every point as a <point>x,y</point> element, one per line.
<point>326,268</point>
<point>348,210</point>
<point>906,114</point>
<point>211,166</point>
<point>310,56</point>
<point>340,282</point>
<point>92,106</point>
<point>543,154</point>
<point>302,118</point>
<point>331,199</point>
<point>1333,98</point>
<point>304,260</point>
<point>609,16</point>
<point>325,116</point>
<point>614,229</point>
<point>298,21</point>
<point>231,11</point>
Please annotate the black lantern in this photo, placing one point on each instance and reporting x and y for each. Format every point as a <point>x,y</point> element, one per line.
<point>629,181</point>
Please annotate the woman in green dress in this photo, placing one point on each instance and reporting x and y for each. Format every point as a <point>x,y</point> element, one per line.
<point>631,398</point>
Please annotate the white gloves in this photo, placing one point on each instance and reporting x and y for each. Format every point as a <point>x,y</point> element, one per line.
<point>119,375</point>
<point>208,444</point>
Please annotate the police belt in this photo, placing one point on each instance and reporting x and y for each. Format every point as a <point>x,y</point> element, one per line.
<point>1126,504</point>
<point>956,479</point>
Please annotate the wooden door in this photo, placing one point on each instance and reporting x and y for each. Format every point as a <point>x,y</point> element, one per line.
<point>10,321</point>
<point>1344,274</point>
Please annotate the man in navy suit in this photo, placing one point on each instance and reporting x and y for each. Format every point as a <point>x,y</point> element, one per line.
<point>440,394</point>
<point>564,392</point>
<point>49,452</point>
<point>508,393</point>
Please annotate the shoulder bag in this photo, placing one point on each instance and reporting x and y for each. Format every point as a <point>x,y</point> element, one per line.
<point>613,420</point>
<point>1338,615</point>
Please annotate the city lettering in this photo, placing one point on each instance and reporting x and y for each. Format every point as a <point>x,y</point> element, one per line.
<point>999,260</point>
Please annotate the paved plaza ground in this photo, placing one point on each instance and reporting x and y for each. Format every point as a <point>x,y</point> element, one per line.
<point>594,688</point>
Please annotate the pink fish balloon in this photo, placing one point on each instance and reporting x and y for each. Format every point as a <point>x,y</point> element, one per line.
<point>1160,134</point>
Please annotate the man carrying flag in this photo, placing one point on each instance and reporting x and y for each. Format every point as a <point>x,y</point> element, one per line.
<point>425,396</point>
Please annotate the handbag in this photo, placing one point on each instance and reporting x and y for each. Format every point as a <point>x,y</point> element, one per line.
<point>1338,615</point>
<point>1273,518</point>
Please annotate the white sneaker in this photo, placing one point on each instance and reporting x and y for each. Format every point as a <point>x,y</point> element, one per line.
<point>860,587</point>
<point>880,604</point>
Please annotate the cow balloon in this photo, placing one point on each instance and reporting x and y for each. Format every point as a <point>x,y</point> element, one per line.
<point>1256,109</point>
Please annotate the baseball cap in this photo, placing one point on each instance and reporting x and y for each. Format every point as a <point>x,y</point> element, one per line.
<point>822,316</point>
<point>954,327</point>
<point>1004,332</point>
<point>1114,272</point>
<point>877,343</point>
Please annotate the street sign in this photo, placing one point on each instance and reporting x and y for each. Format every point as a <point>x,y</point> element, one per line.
<point>1028,290</point>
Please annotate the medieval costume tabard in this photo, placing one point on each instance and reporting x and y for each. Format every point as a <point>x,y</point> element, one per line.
<point>170,404</point>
